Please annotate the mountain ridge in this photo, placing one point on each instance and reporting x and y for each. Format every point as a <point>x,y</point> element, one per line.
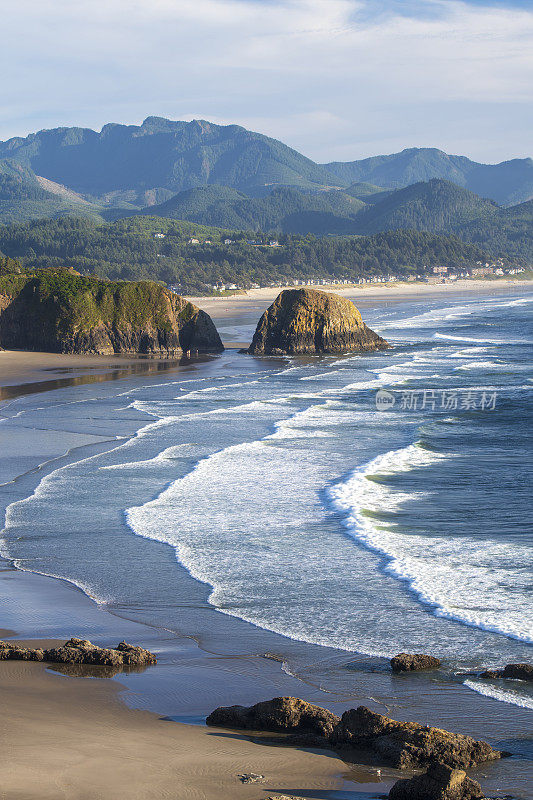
<point>146,164</point>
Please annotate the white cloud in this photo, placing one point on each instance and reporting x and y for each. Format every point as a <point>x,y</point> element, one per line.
<point>330,77</point>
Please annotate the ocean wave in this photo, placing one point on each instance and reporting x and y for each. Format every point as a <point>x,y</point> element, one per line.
<point>503,342</point>
<point>461,582</point>
<point>503,695</point>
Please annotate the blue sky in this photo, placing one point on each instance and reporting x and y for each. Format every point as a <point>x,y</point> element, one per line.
<point>336,79</point>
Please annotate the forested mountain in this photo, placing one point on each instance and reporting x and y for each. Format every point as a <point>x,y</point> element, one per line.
<point>508,232</point>
<point>507,183</point>
<point>434,205</point>
<point>129,249</point>
<point>283,210</point>
<point>147,164</point>
<point>137,166</point>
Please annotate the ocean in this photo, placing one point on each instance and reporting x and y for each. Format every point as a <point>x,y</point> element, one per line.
<point>335,509</point>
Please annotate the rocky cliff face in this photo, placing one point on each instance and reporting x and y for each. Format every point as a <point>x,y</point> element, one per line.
<point>310,321</point>
<point>60,311</point>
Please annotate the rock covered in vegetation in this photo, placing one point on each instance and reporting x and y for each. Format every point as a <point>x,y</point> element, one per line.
<point>523,672</point>
<point>399,744</point>
<point>284,714</point>
<point>81,651</point>
<point>440,782</point>
<point>60,311</point>
<point>310,321</point>
<point>411,662</point>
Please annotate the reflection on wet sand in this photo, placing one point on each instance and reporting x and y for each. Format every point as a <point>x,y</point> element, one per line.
<point>95,374</point>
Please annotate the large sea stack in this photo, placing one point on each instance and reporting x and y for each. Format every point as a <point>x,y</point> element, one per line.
<point>61,311</point>
<point>309,321</point>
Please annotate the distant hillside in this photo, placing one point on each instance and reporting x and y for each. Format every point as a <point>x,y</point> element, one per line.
<point>435,206</point>
<point>507,183</point>
<point>283,210</point>
<point>23,197</point>
<point>508,232</point>
<point>147,164</point>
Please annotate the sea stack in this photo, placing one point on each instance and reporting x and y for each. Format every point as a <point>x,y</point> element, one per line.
<point>61,311</point>
<point>310,321</point>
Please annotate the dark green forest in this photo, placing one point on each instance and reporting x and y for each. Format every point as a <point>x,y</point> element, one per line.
<point>128,249</point>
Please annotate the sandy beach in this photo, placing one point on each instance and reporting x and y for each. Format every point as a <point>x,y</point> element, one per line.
<point>74,738</point>
<point>128,737</point>
<point>363,295</point>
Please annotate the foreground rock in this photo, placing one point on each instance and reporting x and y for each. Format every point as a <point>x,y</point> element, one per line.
<point>407,744</point>
<point>283,714</point>
<point>398,744</point>
<point>81,651</point>
<point>411,662</point>
<point>440,782</point>
<point>523,672</point>
<point>309,321</point>
<point>72,313</point>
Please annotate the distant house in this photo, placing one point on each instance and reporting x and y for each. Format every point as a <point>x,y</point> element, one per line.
<point>159,235</point>
<point>228,241</point>
<point>478,272</point>
<point>208,241</point>
<point>273,243</point>
<point>440,270</point>
<point>194,241</point>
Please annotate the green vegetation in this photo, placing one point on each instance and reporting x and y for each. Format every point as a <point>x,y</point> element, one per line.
<point>506,233</point>
<point>128,249</point>
<point>283,210</point>
<point>78,303</point>
<point>433,206</point>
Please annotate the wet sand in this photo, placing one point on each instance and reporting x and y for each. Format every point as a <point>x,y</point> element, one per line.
<point>74,738</point>
<point>82,738</point>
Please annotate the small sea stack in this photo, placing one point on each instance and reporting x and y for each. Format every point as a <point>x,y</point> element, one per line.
<point>413,662</point>
<point>303,321</point>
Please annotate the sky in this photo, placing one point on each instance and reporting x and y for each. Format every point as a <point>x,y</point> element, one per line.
<point>337,80</point>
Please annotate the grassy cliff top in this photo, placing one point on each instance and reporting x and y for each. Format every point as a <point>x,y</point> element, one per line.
<point>80,302</point>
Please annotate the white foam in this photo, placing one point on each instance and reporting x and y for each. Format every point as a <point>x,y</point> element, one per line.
<point>463,581</point>
<point>505,342</point>
<point>502,695</point>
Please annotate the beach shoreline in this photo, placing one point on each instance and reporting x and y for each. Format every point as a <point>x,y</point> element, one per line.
<point>196,673</point>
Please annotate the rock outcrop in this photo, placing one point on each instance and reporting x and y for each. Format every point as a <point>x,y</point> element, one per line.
<point>411,662</point>
<point>440,782</point>
<point>398,744</point>
<point>407,744</point>
<point>283,714</point>
<point>309,321</point>
<point>523,672</point>
<point>60,311</point>
<point>81,651</point>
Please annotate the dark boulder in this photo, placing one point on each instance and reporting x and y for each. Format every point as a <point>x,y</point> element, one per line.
<point>81,651</point>
<point>440,782</point>
<point>284,714</point>
<point>407,744</point>
<point>309,321</point>
<point>411,662</point>
<point>399,744</point>
<point>523,672</point>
